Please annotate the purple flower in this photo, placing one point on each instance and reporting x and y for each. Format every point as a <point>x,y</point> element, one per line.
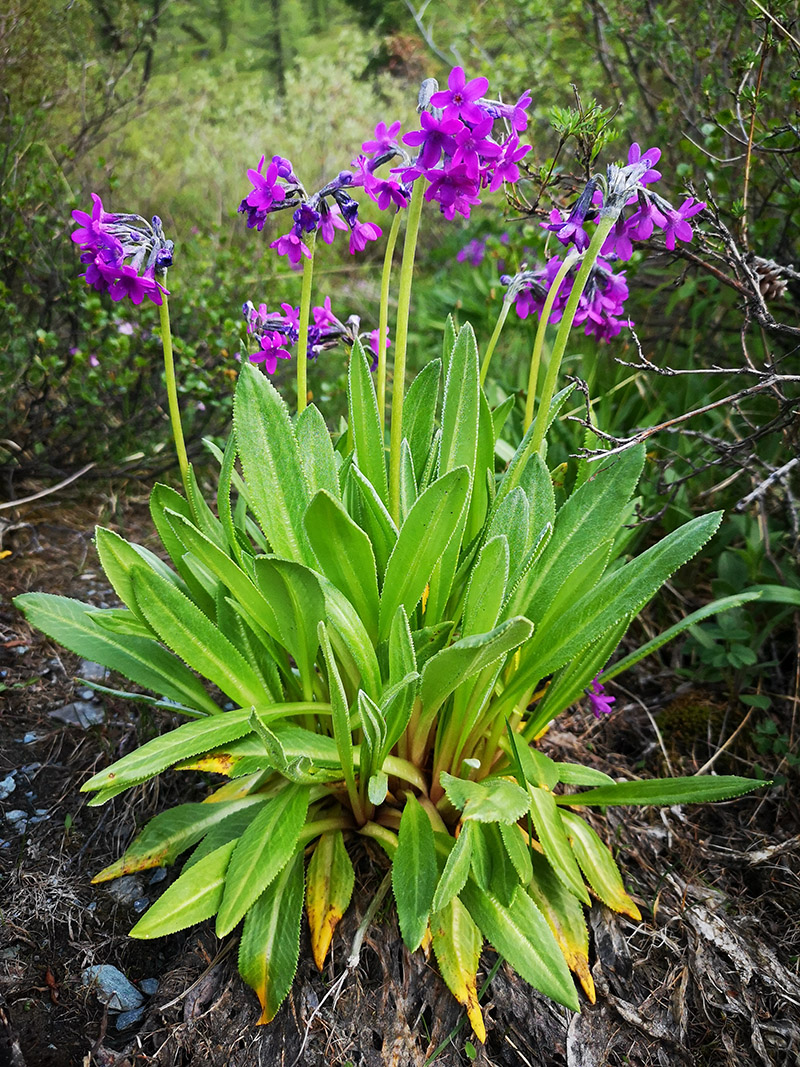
<point>386,192</point>
<point>385,139</point>
<point>505,168</point>
<point>136,286</point>
<point>473,252</point>
<point>677,228</point>
<point>361,233</point>
<point>453,189</point>
<point>437,136</point>
<point>90,231</point>
<point>270,351</point>
<point>651,157</point>
<point>330,221</point>
<point>266,190</point>
<point>306,219</point>
<point>323,316</point>
<point>460,98</point>
<point>292,247</point>
<point>599,701</point>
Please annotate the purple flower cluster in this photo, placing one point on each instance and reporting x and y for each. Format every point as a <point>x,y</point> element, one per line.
<point>600,306</point>
<point>276,332</point>
<point>599,700</point>
<point>623,188</point>
<point>459,152</point>
<point>330,209</point>
<point>124,254</point>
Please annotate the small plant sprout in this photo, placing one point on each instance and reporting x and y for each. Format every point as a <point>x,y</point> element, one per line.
<point>366,638</point>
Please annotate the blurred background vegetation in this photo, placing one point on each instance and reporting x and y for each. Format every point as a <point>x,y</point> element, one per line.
<point>160,106</point>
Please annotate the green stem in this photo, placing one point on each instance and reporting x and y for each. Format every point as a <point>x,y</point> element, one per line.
<point>302,339</point>
<point>498,326</point>
<point>590,255</point>
<point>172,395</point>
<point>401,344</point>
<point>380,834</point>
<point>538,343</point>
<point>383,320</point>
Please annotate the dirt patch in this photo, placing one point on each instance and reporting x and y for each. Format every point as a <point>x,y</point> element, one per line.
<point>708,977</point>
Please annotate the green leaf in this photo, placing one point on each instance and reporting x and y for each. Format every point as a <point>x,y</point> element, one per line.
<point>492,800</point>
<point>520,934</point>
<point>270,945</point>
<point>423,538</point>
<point>456,869</point>
<point>620,593</point>
<point>445,671</point>
<point>576,774</point>
<point>329,886</point>
<point>200,587</point>
<point>553,839</point>
<point>518,851</point>
<point>341,717</point>
<point>373,733</point>
<point>693,790</point>
<point>187,740</point>
<point>188,632</point>
<point>460,407</point>
<point>448,341</point>
<point>365,423</point>
<point>351,642</point>
<point>142,659</point>
<point>195,896</point>
<point>253,603</point>
<point>512,520</point>
<point>591,516</point>
<point>414,872</point>
<point>226,477</point>
<point>121,621</point>
<point>503,877</point>
<point>714,608</point>
<point>487,587</point>
<point>117,556</point>
<point>419,413</point>
<point>345,556</point>
<point>408,482</point>
<point>315,448</point>
<point>170,833</point>
<point>375,520</point>
<point>298,603</point>
<point>273,470</point>
<point>598,865</point>
<point>262,852</point>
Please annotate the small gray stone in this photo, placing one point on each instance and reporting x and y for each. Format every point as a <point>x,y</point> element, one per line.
<point>128,1018</point>
<point>158,875</point>
<point>7,786</point>
<point>112,987</point>
<point>91,672</point>
<point>149,986</point>
<point>29,738</point>
<point>140,905</point>
<point>127,889</point>
<point>18,820</point>
<point>79,713</point>
<point>87,694</point>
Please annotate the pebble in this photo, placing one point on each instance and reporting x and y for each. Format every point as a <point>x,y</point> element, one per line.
<point>140,905</point>
<point>128,1018</point>
<point>18,820</point>
<point>158,875</point>
<point>149,986</point>
<point>29,738</point>
<point>112,987</point>
<point>7,786</point>
<point>88,694</point>
<point>79,713</point>
<point>91,671</point>
<point>127,889</point>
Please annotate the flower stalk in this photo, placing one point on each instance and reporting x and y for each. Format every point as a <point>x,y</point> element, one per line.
<point>172,395</point>
<point>302,340</point>
<point>383,320</point>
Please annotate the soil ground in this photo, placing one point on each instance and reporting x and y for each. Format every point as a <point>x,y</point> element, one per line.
<point>709,977</point>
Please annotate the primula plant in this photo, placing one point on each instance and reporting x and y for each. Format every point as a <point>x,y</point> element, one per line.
<point>367,641</point>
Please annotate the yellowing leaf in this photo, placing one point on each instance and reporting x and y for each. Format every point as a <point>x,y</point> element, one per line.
<point>598,865</point>
<point>457,945</point>
<point>564,915</point>
<point>329,886</point>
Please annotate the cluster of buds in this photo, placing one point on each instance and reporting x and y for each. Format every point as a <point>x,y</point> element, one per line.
<point>124,254</point>
<point>276,332</point>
